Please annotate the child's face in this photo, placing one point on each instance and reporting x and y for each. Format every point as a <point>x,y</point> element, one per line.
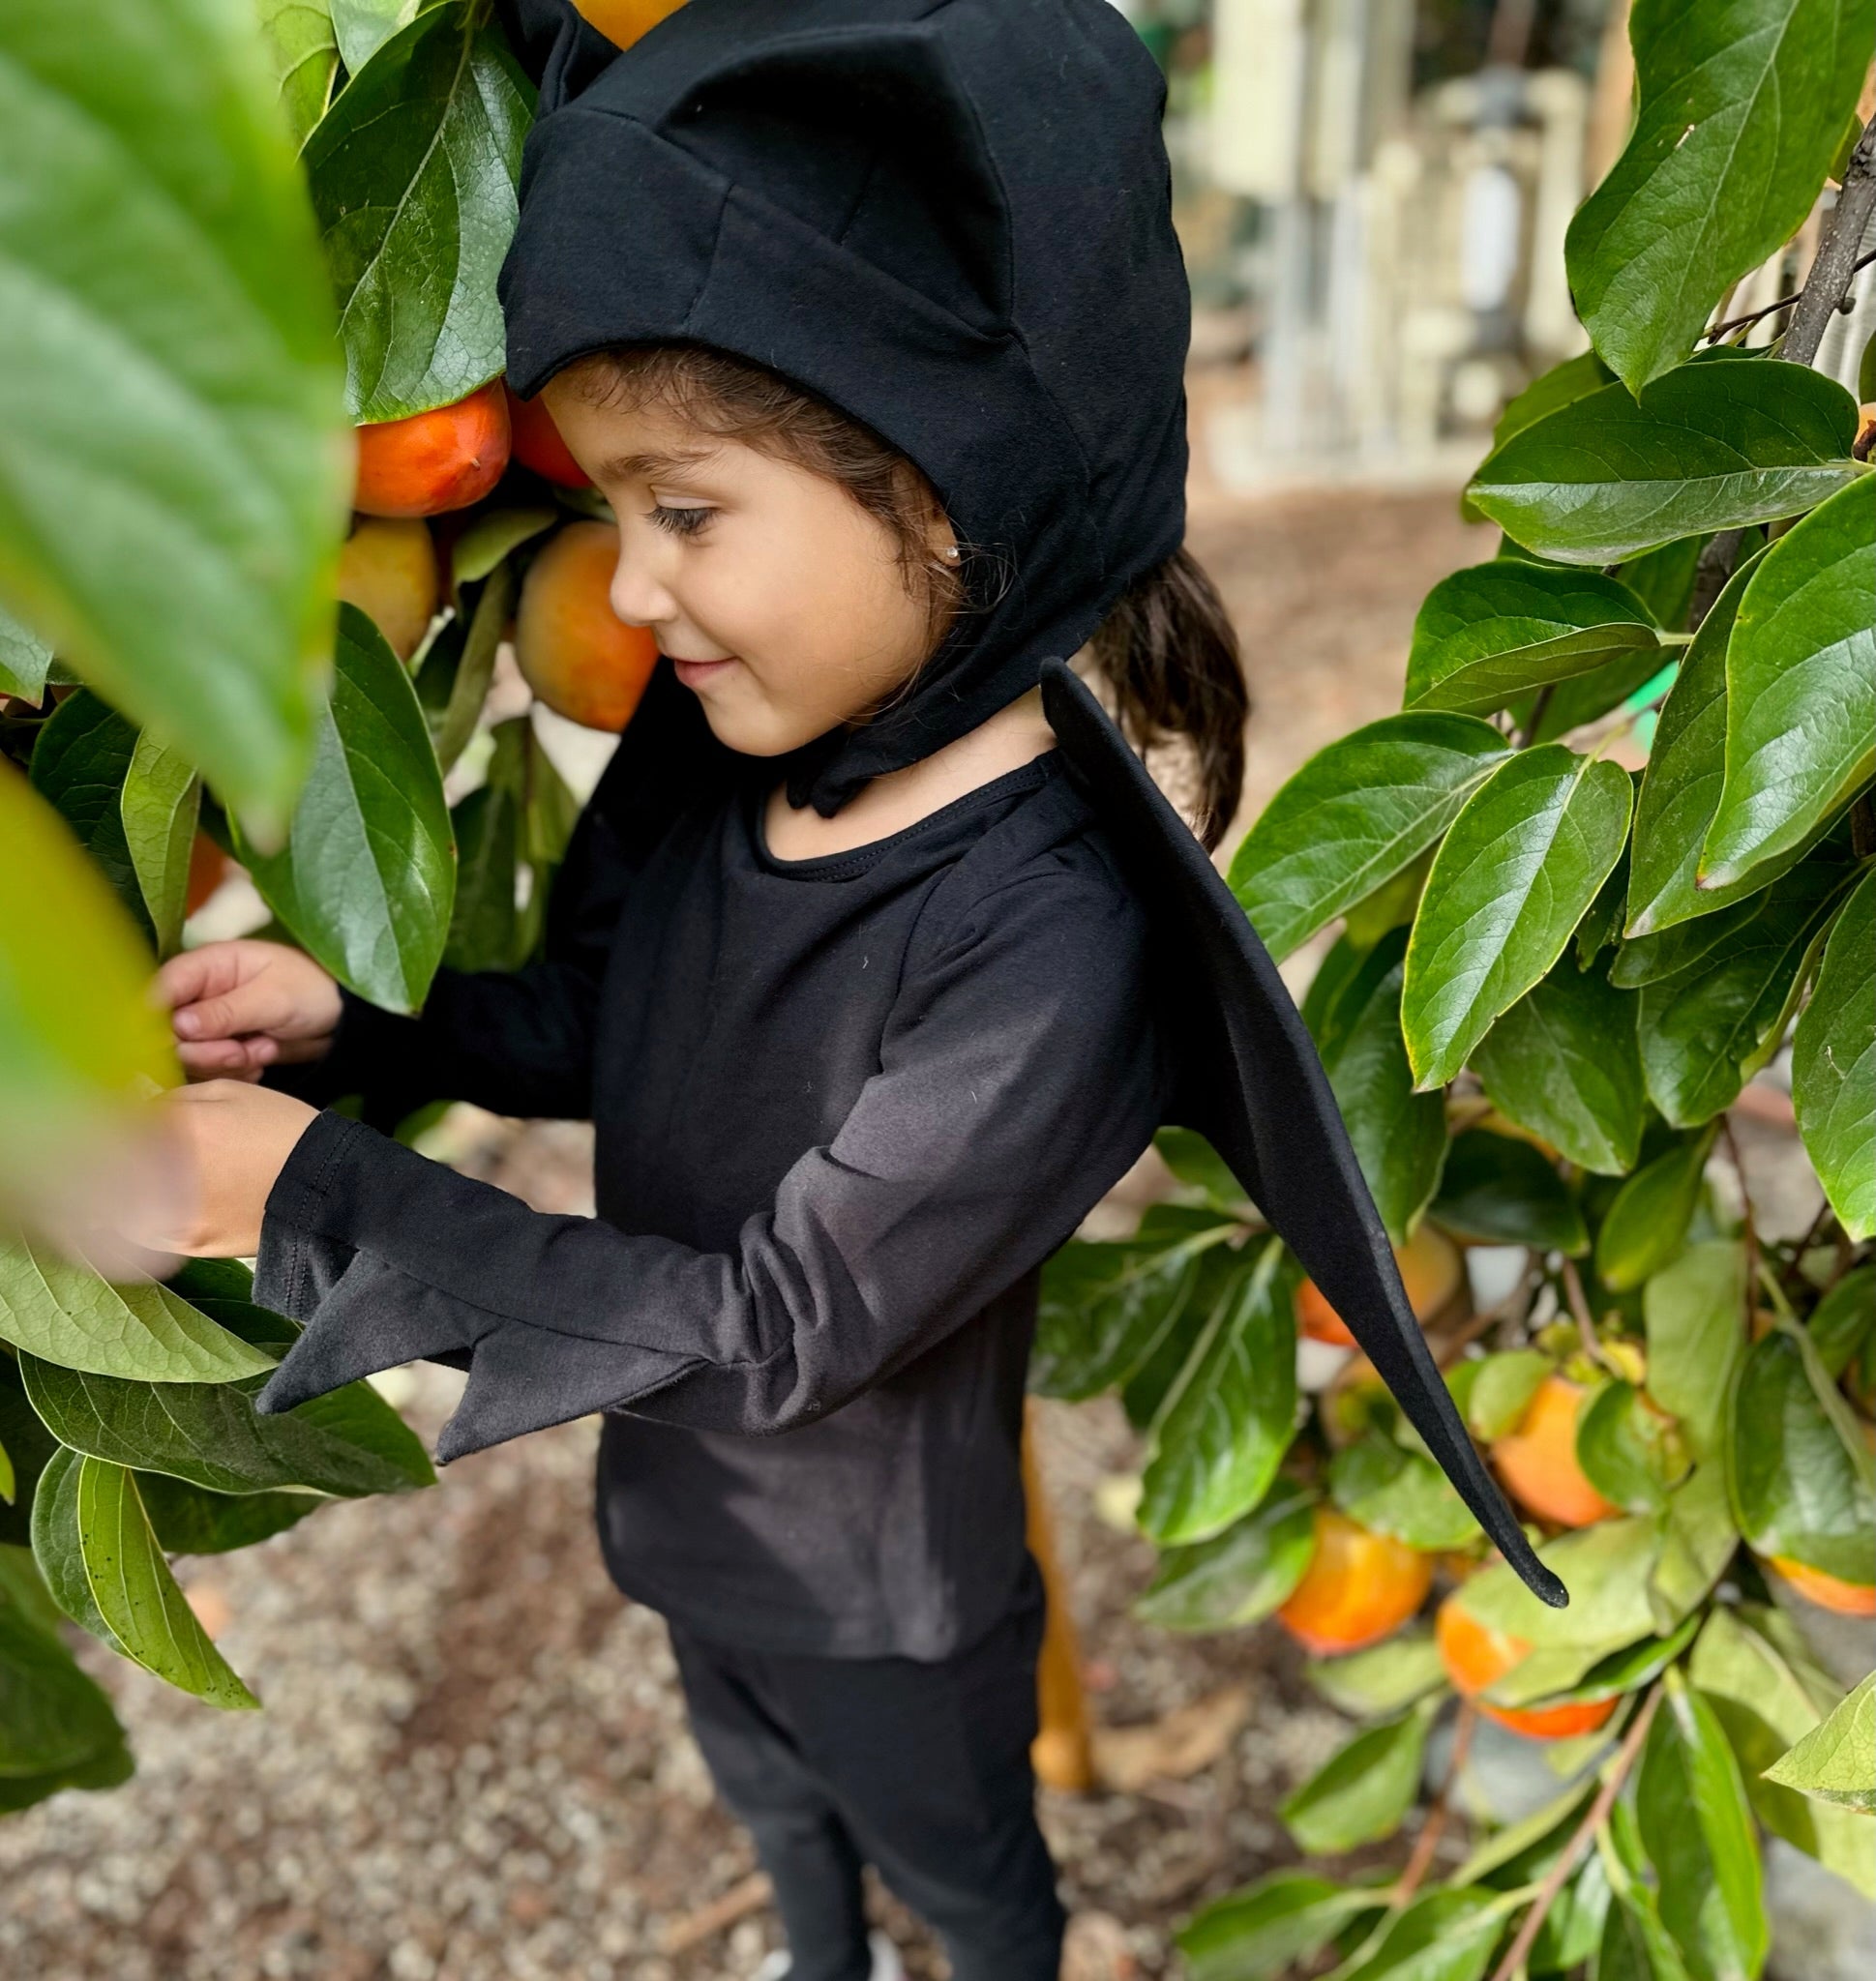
<point>780,601</point>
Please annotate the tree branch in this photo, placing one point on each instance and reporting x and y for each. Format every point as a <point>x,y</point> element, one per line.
<point>1836,261</point>
<point>1434,1827</point>
<point>1825,286</point>
<point>1752,316</point>
<point>1593,1819</point>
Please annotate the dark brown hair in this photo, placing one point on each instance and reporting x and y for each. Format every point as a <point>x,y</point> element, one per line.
<point>1167,650</point>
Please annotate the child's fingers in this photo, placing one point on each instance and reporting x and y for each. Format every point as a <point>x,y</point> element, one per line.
<point>260,1004</point>
<point>227,1058</point>
<point>197,973</point>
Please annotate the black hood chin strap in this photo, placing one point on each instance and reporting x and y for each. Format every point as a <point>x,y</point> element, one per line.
<point>1252,1084</point>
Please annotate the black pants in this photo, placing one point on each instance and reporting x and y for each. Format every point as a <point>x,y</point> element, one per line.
<point>921,1770</point>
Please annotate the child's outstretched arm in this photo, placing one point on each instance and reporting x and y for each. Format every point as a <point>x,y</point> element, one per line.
<point>1019,1078</point>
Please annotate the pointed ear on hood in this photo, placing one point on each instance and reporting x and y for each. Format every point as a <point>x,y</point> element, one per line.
<point>902,177</point>
<point>560,52</point>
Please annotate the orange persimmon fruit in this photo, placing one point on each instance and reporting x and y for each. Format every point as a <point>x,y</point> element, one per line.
<point>536,443</point>
<point>575,653</point>
<point>1476,1656</point>
<point>1538,1460</point>
<point>1826,1591</point>
<point>1430,1268</point>
<point>389,568</point>
<point>445,458</point>
<point>1359,1587</point>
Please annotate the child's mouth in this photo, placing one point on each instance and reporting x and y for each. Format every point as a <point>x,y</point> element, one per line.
<point>695,673</point>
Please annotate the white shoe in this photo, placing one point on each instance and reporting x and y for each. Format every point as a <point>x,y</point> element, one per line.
<point>887,1964</point>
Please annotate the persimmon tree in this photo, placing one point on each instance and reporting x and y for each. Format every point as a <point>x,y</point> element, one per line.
<point>1550,981</point>
<point>251,356</point>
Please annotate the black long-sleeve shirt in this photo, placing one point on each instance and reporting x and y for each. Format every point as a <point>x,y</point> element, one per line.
<point>845,1107</point>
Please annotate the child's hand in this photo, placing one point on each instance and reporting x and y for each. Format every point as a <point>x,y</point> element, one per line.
<point>231,1140</point>
<point>238,1007</point>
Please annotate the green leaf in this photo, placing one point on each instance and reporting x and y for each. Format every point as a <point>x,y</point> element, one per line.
<point>363,26</point>
<point>1399,1137</point>
<point>1635,1945</point>
<point>190,1520</point>
<point>1695,1314</point>
<point>173,479</point>
<point>1561,386</point>
<point>1647,1225</point>
<point>1442,1936</point>
<point>1104,1308</point>
<point>1663,580</point>
<point>138,1596</point>
<point>80,763</point>
<point>1499,1191</point>
<point>1392,905</point>
<point>1834,1066</point>
<point>1680,786</point>
<point>1382,1680</point>
<point>1841,1321</point>
<point>1484,636</point>
<point>1520,865</point>
<point>1605,1567</point>
<point>1801,688</point>
<point>304,52</point>
<point>1199,1167</point>
<point>487,542</point>
<point>1709,1028</point>
<point>1601,923</point>
<point>1697,1829</point>
<point>1836,1762</point>
<point>1798,1491</point>
<point>413,175</point>
<point>1616,683</point>
<point>1766,1699</point>
<point>1355,814</point>
<point>484,921</point>
<point>1564,1063</point>
<point>67,1315</point>
<point>26,659</point>
<point>208,1434</point>
<point>1239,1575</point>
<point>159,802</point>
<point>1362,1793</point>
<point>367,876</point>
<point>1399,1493</point>
<point>1629,1453</point>
<point>1740,109</point>
<point>1260,1933</point>
<point>456,721</point>
<point>56,1548</point>
<point>1503,1389</point>
<point>52,1717</point>
<point>1699,1540</point>
<point>1707,447</point>
<point>1222,1432</point>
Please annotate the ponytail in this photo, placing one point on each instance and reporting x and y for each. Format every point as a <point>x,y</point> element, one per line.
<point>1170,654</point>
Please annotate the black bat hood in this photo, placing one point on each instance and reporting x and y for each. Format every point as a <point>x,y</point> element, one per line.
<point>951,220</point>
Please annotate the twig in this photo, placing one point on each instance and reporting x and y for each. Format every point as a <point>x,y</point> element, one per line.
<point>1538,705</point>
<point>1835,262</point>
<point>1788,1279</point>
<point>1746,1207</point>
<point>746,1896</point>
<point>1752,316</point>
<point>1825,284</point>
<point>1584,1318</point>
<point>1596,1814</point>
<point>1420,1861</point>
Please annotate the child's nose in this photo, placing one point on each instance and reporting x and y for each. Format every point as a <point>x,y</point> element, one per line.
<point>638,596</point>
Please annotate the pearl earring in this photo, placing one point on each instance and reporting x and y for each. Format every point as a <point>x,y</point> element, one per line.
<point>952,553</point>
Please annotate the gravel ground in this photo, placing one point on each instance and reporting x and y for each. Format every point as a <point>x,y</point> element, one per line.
<point>472,1762</point>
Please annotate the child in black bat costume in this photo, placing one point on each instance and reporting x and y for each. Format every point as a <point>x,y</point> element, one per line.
<point>878,959</point>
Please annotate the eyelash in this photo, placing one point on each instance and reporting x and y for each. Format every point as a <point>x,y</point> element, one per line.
<point>681,523</point>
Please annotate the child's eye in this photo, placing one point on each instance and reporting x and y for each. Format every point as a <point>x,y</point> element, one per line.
<point>681,523</point>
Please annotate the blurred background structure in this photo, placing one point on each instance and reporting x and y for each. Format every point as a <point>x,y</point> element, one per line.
<point>473,1762</point>
<point>1373,196</point>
